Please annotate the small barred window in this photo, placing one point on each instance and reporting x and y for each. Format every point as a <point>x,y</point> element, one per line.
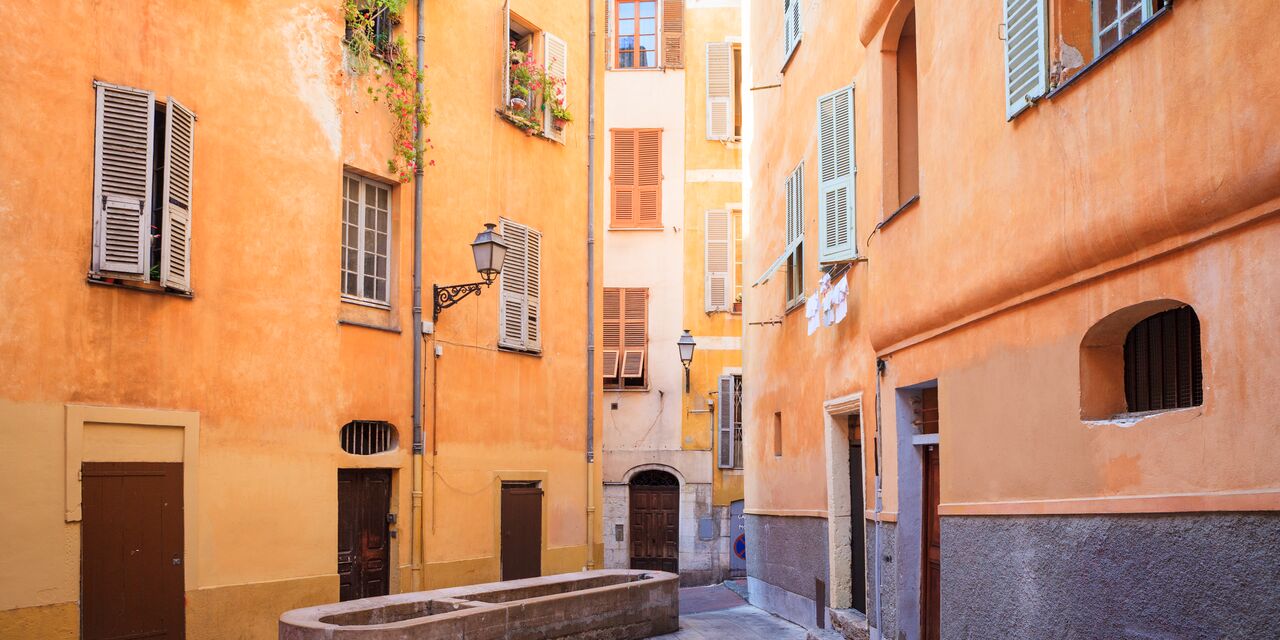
<point>367,437</point>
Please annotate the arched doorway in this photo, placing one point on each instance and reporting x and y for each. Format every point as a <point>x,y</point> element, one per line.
<point>655,521</point>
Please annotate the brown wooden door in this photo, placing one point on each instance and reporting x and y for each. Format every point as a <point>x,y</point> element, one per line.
<point>131,565</point>
<point>655,527</point>
<point>521,531</point>
<point>931,581</point>
<point>364,550</point>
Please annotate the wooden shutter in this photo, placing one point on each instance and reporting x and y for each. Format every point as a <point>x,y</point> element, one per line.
<point>623,160</point>
<point>533,290</point>
<point>836,169</point>
<point>512,293</point>
<point>122,181</point>
<point>608,34</point>
<point>649,178</point>
<point>612,335</point>
<point>555,54</point>
<point>724,422</point>
<point>175,228</point>
<point>1026,72</point>
<point>795,204</point>
<point>718,259</point>
<point>672,34</point>
<point>635,331</point>
<point>719,90</point>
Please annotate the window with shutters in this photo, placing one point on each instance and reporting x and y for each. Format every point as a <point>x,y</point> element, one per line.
<point>1050,42</point>
<point>625,343</point>
<point>520,289</point>
<point>366,241</point>
<point>1141,359</point>
<point>636,165</point>
<point>795,238</point>
<point>791,30</point>
<point>144,152</point>
<point>837,224</point>
<point>729,422</point>
<point>636,34</point>
<point>534,78</point>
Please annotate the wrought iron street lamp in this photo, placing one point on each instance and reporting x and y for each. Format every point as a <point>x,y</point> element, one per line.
<point>489,251</point>
<point>686,345</point>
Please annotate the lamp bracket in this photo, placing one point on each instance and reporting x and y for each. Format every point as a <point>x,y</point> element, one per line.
<point>448,295</point>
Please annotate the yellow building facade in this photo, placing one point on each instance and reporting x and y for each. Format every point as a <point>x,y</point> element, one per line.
<point>210,313</point>
<point>673,471</point>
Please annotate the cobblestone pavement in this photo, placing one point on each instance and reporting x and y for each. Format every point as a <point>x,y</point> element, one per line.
<point>716,613</point>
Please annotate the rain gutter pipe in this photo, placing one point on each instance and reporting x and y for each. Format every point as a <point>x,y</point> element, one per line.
<point>417,534</point>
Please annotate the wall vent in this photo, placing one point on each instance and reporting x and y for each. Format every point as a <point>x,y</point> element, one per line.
<point>367,437</point>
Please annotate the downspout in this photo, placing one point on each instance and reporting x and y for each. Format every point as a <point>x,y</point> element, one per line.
<point>880,367</point>
<point>417,537</point>
<point>591,277</point>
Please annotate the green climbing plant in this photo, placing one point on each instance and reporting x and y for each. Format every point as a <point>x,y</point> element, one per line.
<point>371,50</point>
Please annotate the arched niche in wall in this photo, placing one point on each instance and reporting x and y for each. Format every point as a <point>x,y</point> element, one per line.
<point>1142,358</point>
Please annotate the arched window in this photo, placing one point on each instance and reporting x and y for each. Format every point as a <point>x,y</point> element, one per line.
<point>1142,358</point>
<point>1162,362</point>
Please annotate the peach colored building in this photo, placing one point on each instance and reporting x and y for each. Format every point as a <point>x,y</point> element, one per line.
<point>207,415</point>
<point>1037,244</point>
<point>673,466</point>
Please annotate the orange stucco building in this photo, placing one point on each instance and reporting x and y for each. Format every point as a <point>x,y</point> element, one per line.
<point>207,351</point>
<point>1044,407</point>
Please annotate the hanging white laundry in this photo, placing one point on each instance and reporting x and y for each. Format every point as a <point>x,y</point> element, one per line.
<point>811,312</point>
<point>840,293</point>
<point>824,289</point>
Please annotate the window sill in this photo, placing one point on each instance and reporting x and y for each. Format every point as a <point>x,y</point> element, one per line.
<point>366,325</point>
<point>1160,417</point>
<point>626,390</point>
<point>520,352</point>
<point>791,56</point>
<point>1098,61</point>
<point>795,304</point>
<point>906,206</point>
<point>139,287</point>
<point>364,302</point>
<point>659,228</point>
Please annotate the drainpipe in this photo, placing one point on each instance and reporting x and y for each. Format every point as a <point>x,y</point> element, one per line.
<point>417,536</point>
<point>591,275</point>
<point>880,367</point>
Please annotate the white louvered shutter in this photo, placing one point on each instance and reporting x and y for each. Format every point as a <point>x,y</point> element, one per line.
<point>795,204</point>
<point>122,181</point>
<point>533,290</point>
<point>175,229</point>
<point>790,27</point>
<point>717,261</point>
<point>719,90</point>
<point>724,422</point>
<point>512,292</point>
<point>836,170</point>
<point>506,54</point>
<point>1026,60</point>
<point>555,55</point>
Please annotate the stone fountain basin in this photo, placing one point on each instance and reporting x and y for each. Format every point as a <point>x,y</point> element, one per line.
<point>614,604</point>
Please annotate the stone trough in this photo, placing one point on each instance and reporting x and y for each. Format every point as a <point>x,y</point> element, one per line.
<point>589,605</point>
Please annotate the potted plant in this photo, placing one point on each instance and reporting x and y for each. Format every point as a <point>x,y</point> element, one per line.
<point>560,116</point>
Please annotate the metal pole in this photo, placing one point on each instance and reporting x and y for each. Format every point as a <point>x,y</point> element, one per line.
<point>417,535</point>
<point>591,275</point>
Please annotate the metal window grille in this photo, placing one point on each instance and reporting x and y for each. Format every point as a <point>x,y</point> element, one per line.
<point>367,437</point>
<point>1162,362</point>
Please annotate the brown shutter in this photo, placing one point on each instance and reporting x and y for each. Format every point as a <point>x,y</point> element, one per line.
<point>612,335</point>
<point>673,34</point>
<point>648,178</point>
<point>624,178</point>
<point>175,231</point>
<point>635,331</point>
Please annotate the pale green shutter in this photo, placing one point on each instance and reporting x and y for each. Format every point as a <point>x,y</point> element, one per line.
<point>836,223</point>
<point>724,422</point>
<point>1026,71</point>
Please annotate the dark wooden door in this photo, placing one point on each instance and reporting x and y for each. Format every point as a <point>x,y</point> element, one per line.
<point>131,565</point>
<point>931,581</point>
<point>857,530</point>
<point>364,548</point>
<point>655,527</point>
<point>521,531</point>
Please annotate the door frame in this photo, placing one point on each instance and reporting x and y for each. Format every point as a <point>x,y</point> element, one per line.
<point>835,415</point>
<point>678,490</point>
